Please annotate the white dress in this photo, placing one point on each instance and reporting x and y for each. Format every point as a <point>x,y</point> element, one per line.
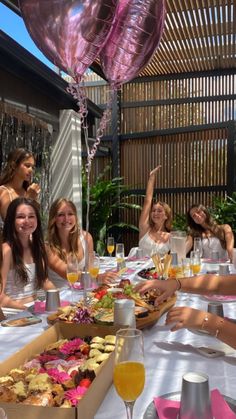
<point>15,289</point>
<point>58,280</point>
<point>147,244</point>
<point>213,244</point>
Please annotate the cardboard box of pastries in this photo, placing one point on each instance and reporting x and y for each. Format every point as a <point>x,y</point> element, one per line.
<point>95,394</point>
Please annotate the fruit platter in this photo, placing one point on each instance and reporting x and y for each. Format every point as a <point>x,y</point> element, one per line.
<point>99,307</point>
<point>149,273</point>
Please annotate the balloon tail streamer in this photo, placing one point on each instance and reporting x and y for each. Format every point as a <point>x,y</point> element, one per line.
<point>78,91</point>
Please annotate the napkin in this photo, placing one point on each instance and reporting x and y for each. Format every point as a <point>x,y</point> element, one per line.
<point>169,409</point>
<point>39,306</point>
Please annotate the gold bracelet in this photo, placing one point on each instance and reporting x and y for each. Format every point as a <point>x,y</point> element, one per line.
<point>205,322</point>
<point>219,328</point>
<point>179,285</point>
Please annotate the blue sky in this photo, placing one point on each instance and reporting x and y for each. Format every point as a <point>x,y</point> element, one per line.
<point>14,26</point>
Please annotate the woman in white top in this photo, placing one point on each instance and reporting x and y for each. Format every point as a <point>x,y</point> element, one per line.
<point>155,221</point>
<point>24,259</point>
<point>16,177</point>
<point>215,237</point>
<point>64,238</point>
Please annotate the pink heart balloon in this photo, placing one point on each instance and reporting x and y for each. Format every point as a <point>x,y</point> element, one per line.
<point>69,32</point>
<point>135,36</point>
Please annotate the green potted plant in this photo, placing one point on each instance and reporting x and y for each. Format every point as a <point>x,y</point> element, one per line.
<point>108,197</point>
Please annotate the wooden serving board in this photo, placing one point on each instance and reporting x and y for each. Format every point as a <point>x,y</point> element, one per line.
<point>153,317</point>
<point>141,322</point>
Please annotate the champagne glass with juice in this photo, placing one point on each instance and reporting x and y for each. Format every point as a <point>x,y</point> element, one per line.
<point>110,245</point>
<point>72,272</point>
<point>94,264</point>
<point>129,371</point>
<point>195,262</point>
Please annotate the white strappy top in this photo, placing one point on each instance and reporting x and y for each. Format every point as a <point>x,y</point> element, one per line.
<point>210,244</point>
<point>56,279</point>
<point>146,243</point>
<point>14,287</point>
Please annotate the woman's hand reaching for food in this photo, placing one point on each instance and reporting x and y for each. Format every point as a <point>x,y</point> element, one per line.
<point>165,288</point>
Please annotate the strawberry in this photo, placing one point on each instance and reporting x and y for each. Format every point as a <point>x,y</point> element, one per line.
<point>85,382</point>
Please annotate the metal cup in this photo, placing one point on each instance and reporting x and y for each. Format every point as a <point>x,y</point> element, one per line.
<point>216,308</point>
<point>223,269</point>
<point>215,255</point>
<point>124,314</point>
<point>195,397</point>
<point>174,258</point>
<point>52,300</point>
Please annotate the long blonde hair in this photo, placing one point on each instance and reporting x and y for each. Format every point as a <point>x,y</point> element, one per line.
<point>52,233</point>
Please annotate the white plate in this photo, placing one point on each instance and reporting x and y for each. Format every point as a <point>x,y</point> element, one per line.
<point>151,412</point>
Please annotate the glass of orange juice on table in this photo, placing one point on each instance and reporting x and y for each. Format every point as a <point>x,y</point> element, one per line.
<point>129,371</point>
<point>72,272</point>
<point>110,245</point>
<point>195,262</point>
<point>94,264</point>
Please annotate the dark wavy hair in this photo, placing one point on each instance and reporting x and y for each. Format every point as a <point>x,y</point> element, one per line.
<point>15,158</point>
<point>52,233</point>
<point>196,230</point>
<point>168,213</point>
<point>36,243</point>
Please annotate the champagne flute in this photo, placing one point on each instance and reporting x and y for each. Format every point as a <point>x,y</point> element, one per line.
<point>72,272</point>
<point>110,245</point>
<point>195,262</point>
<point>94,264</point>
<point>197,245</point>
<point>129,372</point>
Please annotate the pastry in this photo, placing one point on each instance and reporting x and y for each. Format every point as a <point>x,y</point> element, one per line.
<point>41,399</point>
<point>7,395</point>
<point>109,348</point>
<point>97,339</point>
<point>6,381</point>
<point>98,346</point>
<point>111,339</point>
<point>40,383</point>
<point>94,352</point>
<point>102,357</point>
<point>17,374</point>
<point>19,389</point>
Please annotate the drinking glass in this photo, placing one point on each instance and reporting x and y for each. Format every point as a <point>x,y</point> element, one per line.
<point>129,372</point>
<point>120,252</point>
<point>195,262</point>
<point>72,272</point>
<point>110,245</point>
<point>178,244</point>
<point>94,264</point>
<point>197,245</point>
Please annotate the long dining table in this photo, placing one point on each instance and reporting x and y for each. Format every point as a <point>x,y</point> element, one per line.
<point>168,355</point>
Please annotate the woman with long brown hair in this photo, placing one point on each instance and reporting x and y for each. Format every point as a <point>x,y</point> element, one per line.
<point>16,178</point>
<point>65,237</point>
<point>24,259</point>
<point>155,221</point>
<point>215,237</point>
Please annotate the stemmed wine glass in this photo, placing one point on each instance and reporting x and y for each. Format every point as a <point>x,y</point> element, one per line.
<point>110,245</point>
<point>197,245</point>
<point>72,272</point>
<point>94,264</point>
<point>129,372</point>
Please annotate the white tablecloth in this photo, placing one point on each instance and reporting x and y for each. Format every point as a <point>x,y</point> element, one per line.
<point>168,355</point>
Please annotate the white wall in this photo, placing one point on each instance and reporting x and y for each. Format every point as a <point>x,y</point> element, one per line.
<point>66,162</point>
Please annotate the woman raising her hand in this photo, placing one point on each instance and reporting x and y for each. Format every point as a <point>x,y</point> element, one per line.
<point>155,221</point>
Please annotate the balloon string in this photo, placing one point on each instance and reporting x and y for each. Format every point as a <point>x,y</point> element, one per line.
<point>78,91</point>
